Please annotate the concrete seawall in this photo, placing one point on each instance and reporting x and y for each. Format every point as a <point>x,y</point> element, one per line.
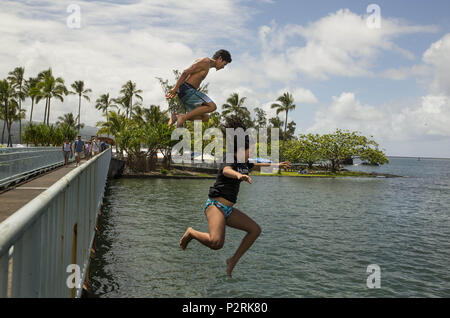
<point>116,167</point>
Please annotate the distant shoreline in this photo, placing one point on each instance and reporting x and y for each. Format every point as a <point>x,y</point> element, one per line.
<point>417,157</point>
<point>177,174</point>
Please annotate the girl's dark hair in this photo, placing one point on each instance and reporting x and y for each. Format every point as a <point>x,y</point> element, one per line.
<point>235,122</point>
<point>224,54</point>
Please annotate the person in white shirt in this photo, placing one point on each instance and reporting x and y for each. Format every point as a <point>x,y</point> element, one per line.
<point>95,146</point>
<point>67,150</point>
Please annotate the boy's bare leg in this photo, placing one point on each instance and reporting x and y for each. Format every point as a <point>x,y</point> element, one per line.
<point>216,236</point>
<point>203,118</point>
<point>241,221</point>
<point>198,111</point>
<point>173,119</point>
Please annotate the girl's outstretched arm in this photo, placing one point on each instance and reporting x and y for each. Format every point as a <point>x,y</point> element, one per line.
<point>230,173</point>
<point>283,164</point>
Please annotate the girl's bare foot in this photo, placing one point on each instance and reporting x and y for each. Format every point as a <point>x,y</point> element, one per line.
<point>186,238</point>
<point>180,120</point>
<point>230,265</point>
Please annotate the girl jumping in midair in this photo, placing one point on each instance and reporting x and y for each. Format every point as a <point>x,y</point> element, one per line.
<point>220,211</point>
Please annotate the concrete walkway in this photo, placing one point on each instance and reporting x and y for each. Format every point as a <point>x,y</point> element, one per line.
<point>14,199</point>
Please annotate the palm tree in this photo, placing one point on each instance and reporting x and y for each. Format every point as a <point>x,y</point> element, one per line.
<point>122,102</point>
<point>16,78</point>
<point>115,125</point>
<point>129,91</point>
<point>154,114</point>
<point>40,77</point>
<point>32,91</point>
<point>14,112</point>
<point>139,114</point>
<point>261,119</point>
<point>235,105</point>
<point>7,93</point>
<point>69,120</point>
<point>50,87</point>
<point>81,91</point>
<point>286,104</point>
<point>103,103</point>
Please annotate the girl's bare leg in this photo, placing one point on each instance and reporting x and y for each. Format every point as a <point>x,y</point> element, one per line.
<point>241,221</point>
<point>216,236</point>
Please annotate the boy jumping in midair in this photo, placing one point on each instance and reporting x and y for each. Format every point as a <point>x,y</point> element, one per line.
<point>197,103</point>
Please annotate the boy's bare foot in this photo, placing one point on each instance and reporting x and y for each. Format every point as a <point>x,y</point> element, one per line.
<point>186,238</point>
<point>180,120</point>
<point>173,119</point>
<point>230,265</point>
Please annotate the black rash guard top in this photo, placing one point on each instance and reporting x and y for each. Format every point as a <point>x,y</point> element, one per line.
<point>228,188</point>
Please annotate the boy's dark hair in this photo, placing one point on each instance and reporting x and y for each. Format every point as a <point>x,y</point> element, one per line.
<point>224,54</point>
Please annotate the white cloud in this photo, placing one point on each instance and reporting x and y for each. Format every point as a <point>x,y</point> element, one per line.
<point>435,65</point>
<point>339,44</point>
<point>403,73</point>
<point>347,112</point>
<point>136,41</point>
<point>420,122</point>
<point>392,127</point>
<point>438,58</point>
<point>303,95</point>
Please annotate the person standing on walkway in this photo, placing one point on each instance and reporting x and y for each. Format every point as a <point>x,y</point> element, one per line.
<point>67,151</point>
<point>87,150</point>
<point>95,146</point>
<point>79,147</point>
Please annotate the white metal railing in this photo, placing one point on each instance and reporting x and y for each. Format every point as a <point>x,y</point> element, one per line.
<point>54,230</point>
<point>17,163</point>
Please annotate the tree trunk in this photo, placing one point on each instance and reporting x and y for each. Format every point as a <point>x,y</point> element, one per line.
<point>9,132</point>
<point>107,118</point>
<point>8,126</point>
<point>79,115</point>
<point>333,165</point>
<point>31,113</point>
<point>131,105</point>
<point>48,112</point>
<point>284,140</point>
<point>3,133</point>
<point>20,117</point>
<point>152,161</point>
<point>45,112</point>
<point>285,129</point>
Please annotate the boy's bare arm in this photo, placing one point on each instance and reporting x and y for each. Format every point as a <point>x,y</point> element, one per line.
<point>194,68</point>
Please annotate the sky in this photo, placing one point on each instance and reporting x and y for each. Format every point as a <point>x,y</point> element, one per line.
<point>383,72</point>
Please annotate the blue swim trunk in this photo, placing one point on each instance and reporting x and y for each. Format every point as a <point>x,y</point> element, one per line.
<point>226,210</point>
<point>191,97</point>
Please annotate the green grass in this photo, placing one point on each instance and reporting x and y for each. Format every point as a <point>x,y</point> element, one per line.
<point>205,175</point>
<point>321,174</point>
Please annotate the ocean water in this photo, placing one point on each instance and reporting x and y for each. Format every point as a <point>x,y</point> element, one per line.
<point>319,235</point>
